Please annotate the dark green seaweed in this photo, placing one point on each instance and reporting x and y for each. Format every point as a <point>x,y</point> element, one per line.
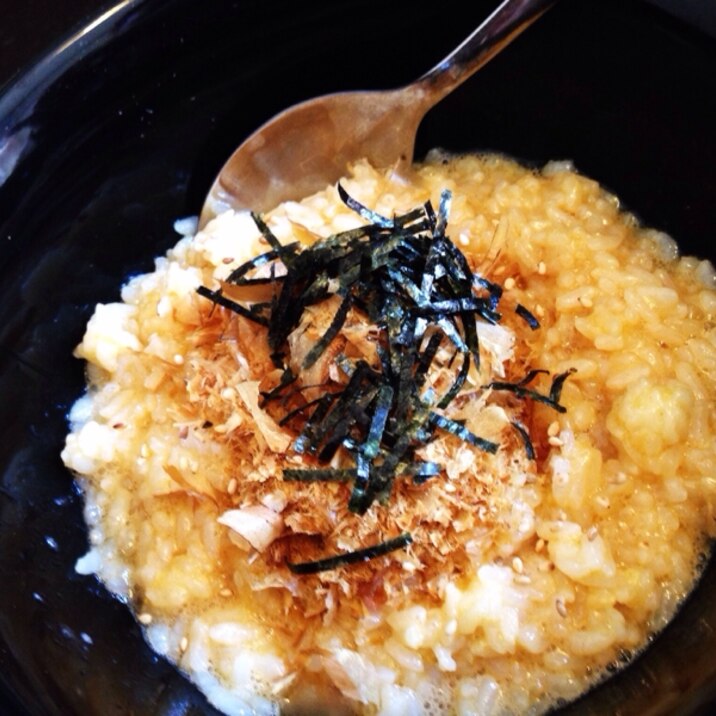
<point>331,332</point>
<point>405,276</point>
<point>221,300</point>
<point>463,433</point>
<point>555,392</point>
<point>528,317</point>
<point>524,434</point>
<point>521,391</point>
<point>360,555</point>
<point>320,474</point>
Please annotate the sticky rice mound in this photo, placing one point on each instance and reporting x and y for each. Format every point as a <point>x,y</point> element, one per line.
<point>528,575</point>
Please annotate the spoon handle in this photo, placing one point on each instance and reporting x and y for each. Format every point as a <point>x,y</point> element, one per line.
<point>498,30</point>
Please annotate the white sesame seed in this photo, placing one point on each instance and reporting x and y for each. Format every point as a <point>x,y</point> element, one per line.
<point>553,429</point>
<point>178,359</point>
<point>619,479</point>
<point>602,501</point>
<point>522,579</point>
<point>517,565</point>
<point>560,607</point>
<point>554,441</point>
<point>541,268</point>
<point>464,239</point>
<point>228,393</point>
<point>232,486</point>
<point>592,533</point>
<point>145,619</point>
<point>183,644</point>
<point>510,283</point>
<point>539,311</point>
<point>225,592</point>
<point>586,301</point>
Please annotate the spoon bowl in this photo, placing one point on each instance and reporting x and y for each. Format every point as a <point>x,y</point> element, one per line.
<point>309,145</point>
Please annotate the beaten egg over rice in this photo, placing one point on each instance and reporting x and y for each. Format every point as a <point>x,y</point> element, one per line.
<point>527,575</point>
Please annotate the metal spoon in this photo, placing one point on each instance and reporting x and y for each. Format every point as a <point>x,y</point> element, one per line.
<point>310,145</point>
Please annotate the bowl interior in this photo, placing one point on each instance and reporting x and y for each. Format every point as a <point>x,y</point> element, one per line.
<point>111,138</point>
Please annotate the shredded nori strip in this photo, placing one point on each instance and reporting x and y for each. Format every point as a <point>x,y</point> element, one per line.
<point>529,318</point>
<point>360,555</point>
<point>463,433</point>
<point>284,252</point>
<point>458,383</point>
<point>406,276</point>
<point>421,471</point>
<point>443,211</point>
<point>555,392</point>
<point>426,358</point>
<point>364,211</point>
<point>524,434</point>
<point>332,331</point>
<point>319,474</point>
<point>221,300</point>
<point>288,417</point>
<point>531,375</point>
<point>521,391</point>
<point>383,401</point>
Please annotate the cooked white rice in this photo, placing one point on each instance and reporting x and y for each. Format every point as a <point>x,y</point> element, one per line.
<point>526,578</point>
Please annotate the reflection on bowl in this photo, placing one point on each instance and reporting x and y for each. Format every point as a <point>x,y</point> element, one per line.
<point>107,142</point>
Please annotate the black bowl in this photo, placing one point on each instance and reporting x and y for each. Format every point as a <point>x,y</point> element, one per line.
<point>120,131</point>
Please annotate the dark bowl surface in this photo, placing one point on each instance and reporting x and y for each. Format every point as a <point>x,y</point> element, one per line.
<point>121,130</point>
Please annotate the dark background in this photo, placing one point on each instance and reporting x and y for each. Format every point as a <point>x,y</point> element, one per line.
<point>28,28</point>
